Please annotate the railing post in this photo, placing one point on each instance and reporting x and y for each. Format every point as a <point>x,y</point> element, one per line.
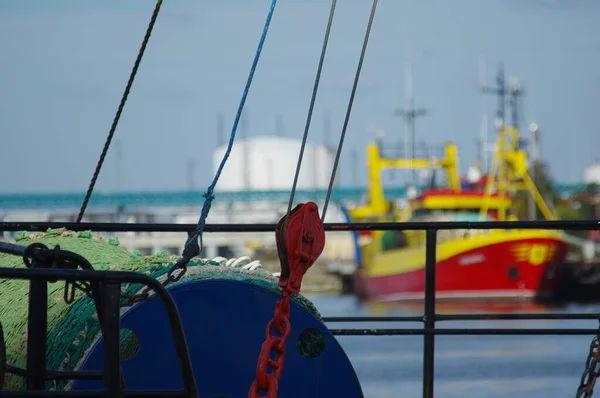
<point>111,327</point>
<point>37,325</point>
<point>429,318</point>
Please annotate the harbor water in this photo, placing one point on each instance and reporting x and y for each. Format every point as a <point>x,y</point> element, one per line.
<point>465,366</point>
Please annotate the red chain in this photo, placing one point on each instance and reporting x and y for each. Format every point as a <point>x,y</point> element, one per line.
<point>299,243</point>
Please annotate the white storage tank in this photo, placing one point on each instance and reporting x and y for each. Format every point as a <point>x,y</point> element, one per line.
<point>265,163</point>
<point>591,174</point>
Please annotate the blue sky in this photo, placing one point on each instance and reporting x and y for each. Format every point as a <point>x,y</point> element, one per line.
<point>65,65</point>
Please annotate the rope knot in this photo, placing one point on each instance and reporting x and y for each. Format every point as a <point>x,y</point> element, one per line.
<point>208,195</point>
<point>205,209</point>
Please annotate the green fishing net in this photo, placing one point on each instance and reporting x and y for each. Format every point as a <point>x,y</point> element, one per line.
<point>73,328</point>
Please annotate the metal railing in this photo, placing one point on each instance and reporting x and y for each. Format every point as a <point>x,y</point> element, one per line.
<point>429,319</point>
<point>46,265</point>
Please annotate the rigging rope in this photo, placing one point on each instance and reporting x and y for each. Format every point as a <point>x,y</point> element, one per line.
<point>119,110</point>
<point>310,108</point>
<point>299,244</point>
<point>190,251</point>
<point>349,110</point>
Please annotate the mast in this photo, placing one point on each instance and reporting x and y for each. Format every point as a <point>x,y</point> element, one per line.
<point>410,114</point>
<point>500,91</point>
<point>533,127</point>
<point>504,154</point>
<point>515,92</point>
<point>483,127</point>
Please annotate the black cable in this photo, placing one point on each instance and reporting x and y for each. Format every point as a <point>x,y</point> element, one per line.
<point>349,110</point>
<point>119,111</point>
<point>310,109</point>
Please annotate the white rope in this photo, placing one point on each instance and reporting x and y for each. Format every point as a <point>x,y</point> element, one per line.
<point>251,265</point>
<point>244,263</point>
<point>233,262</point>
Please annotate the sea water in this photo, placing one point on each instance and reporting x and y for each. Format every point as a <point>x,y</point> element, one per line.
<point>465,366</point>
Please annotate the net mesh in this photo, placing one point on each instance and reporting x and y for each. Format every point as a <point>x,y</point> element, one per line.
<point>73,328</point>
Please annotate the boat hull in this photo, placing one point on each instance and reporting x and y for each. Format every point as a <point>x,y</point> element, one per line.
<point>519,268</point>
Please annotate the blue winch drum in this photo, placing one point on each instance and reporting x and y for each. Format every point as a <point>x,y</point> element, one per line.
<point>225,323</point>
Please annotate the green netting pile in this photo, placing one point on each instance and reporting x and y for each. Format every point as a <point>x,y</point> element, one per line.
<point>73,328</point>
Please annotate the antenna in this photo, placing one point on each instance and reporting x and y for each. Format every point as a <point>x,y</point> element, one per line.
<point>500,91</point>
<point>535,134</point>
<point>515,92</point>
<point>410,114</point>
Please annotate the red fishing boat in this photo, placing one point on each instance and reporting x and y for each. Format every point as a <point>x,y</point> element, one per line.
<point>492,264</point>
